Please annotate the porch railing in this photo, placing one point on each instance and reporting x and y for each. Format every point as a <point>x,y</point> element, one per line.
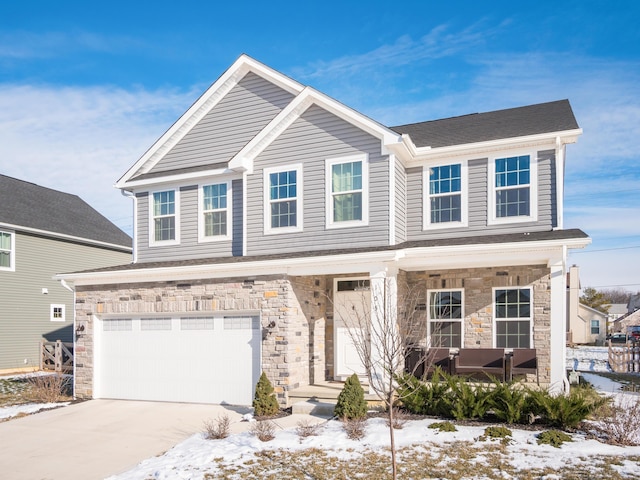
<point>56,356</point>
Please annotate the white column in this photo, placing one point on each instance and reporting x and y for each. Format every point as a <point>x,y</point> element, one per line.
<point>558,380</point>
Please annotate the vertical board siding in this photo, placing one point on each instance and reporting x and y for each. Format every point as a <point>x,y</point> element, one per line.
<point>229,126</point>
<point>25,310</point>
<point>310,140</point>
<point>401,203</point>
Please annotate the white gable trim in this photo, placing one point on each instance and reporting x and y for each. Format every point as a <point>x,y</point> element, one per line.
<point>209,99</point>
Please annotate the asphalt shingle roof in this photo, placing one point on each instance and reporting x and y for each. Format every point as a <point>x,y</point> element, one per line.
<point>481,127</point>
<point>31,206</point>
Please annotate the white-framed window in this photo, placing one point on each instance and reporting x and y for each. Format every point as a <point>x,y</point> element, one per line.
<point>595,327</point>
<point>347,191</point>
<point>513,193</point>
<point>513,314</point>
<point>214,203</point>
<point>445,311</point>
<point>7,251</point>
<point>283,199</point>
<point>57,313</point>
<point>164,217</point>
<point>445,196</point>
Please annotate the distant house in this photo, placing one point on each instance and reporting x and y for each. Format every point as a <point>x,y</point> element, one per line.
<point>267,198</point>
<point>622,323</point>
<point>44,232</point>
<point>616,310</point>
<point>634,303</point>
<point>585,325</point>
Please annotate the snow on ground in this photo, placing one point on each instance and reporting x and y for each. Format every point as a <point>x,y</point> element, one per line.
<point>588,359</point>
<point>16,410</point>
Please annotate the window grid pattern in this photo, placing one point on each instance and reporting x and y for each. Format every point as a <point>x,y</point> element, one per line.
<point>445,318</point>
<point>154,324</point>
<point>512,182</point>
<point>117,325</point>
<point>346,191</point>
<point>283,193</point>
<point>241,323</point>
<point>5,249</point>
<point>57,313</point>
<point>196,323</point>
<point>595,327</point>
<point>513,318</point>
<point>445,187</point>
<point>164,210</point>
<point>214,208</point>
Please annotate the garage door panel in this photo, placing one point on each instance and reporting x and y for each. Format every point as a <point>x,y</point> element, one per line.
<point>195,361</point>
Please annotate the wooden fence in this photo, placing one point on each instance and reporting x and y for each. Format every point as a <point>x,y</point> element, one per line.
<point>624,358</point>
<point>57,356</point>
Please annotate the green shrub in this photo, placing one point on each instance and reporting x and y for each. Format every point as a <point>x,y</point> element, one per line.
<point>496,431</point>
<point>444,426</point>
<point>423,398</point>
<point>464,400</point>
<point>264,401</point>
<point>351,403</point>
<point>509,403</point>
<point>555,438</point>
<point>567,411</point>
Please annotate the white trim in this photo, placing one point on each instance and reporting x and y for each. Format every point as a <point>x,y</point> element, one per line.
<point>12,252</point>
<point>492,219</point>
<point>244,213</point>
<point>560,159</point>
<point>228,210</point>
<point>152,234</point>
<point>392,199</point>
<point>52,309</point>
<point>329,163</point>
<point>530,319</point>
<point>299,199</point>
<point>464,197</point>
<point>462,314</point>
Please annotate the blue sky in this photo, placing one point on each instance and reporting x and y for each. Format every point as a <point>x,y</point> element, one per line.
<point>84,91</point>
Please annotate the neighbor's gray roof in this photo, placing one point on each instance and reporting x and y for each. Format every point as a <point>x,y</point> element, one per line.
<point>31,206</point>
<point>481,127</point>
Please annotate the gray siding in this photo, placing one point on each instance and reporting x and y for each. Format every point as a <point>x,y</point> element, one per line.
<point>401,202</point>
<point>25,310</point>
<point>236,245</point>
<point>229,126</point>
<point>314,137</point>
<point>478,203</point>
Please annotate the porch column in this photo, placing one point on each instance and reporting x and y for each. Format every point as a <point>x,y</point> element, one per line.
<point>384,308</point>
<point>558,376</point>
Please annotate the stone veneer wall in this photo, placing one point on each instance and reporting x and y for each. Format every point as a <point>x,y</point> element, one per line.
<point>294,305</point>
<point>478,284</point>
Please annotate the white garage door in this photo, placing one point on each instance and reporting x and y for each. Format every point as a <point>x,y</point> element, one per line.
<point>184,359</point>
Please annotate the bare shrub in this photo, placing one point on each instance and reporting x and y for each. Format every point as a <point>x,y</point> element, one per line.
<point>354,427</point>
<point>398,419</point>
<point>618,421</point>
<point>265,430</point>
<point>49,388</point>
<point>306,428</point>
<point>218,428</point>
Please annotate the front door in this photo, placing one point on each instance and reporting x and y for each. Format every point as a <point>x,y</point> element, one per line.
<point>352,304</point>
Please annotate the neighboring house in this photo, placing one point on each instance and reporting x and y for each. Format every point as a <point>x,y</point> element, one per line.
<point>621,324</point>
<point>634,303</point>
<point>585,325</point>
<point>268,198</point>
<point>44,232</point>
<point>616,310</point>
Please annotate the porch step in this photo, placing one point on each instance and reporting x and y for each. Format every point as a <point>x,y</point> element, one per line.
<point>323,397</point>
<point>320,409</point>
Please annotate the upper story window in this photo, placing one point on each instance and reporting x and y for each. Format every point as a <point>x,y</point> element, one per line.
<point>513,316</point>
<point>164,217</point>
<point>513,188</point>
<point>347,191</point>
<point>7,249</point>
<point>215,200</point>
<point>445,198</point>
<point>283,199</point>
<point>445,310</point>
<point>57,313</point>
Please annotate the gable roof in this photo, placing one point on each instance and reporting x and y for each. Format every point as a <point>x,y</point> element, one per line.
<point>481,127</point>
<point>30,207</point>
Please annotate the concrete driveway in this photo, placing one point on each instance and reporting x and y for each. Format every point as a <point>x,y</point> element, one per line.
<point>99,438</point>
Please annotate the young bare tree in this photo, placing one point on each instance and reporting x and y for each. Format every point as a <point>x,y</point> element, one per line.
<point>385,324</point>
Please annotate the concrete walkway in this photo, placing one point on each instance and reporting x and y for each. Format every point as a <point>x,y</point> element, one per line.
<point>99,438</point>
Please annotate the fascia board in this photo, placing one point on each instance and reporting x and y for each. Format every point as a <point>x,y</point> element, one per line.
<point>208,100</point>
<point>421,154</point>
<point>137,184</point>
<point>62,236</point>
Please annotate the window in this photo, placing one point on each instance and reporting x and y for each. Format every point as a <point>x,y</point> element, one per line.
<point>347,202</point>
<point>164,217</point>
<point>513,317</point>
<point>6,251</point>
<point>283,199</point>
<point>445,318</point>
<point>445,196</point>
<point>155,324</point>
<point>595,327</point>
<point>57,313</point>
<point>117,325</point>
<point>513,193</point>
<point>214,211</point>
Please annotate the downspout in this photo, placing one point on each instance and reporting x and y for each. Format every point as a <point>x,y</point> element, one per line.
<point>134,245</point>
